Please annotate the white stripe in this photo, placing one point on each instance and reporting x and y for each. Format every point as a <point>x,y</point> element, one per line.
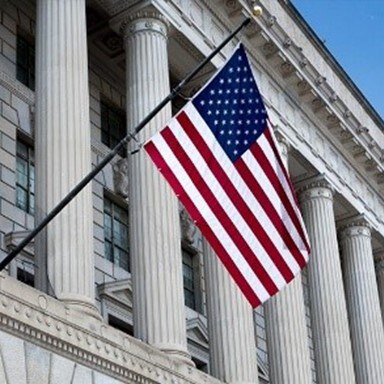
<point>242,187</point>
<point>227,204</point>
<point>267,149</point>
<point>274,198</point>
<point>220,232</point>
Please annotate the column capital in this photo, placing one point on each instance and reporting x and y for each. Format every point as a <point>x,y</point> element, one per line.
<point>147,19</point>
<point>354,226</point>
<point>315,187</point>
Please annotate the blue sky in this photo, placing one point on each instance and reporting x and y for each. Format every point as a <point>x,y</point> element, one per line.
<point>353,31</point>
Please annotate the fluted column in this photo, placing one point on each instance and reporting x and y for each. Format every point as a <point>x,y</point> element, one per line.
<point>232,345</point>
<point>63,152</point>
<point>332,344</point>
<point>287,338</point>
<point>379,265</point>
<point>158,304</point>
<point>363,302</point>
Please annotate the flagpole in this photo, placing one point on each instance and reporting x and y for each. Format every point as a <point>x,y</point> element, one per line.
<point>78,188</point>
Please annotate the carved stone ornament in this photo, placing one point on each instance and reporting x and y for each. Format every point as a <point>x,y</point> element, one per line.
<point>188,229</point>
<point>120,177</point>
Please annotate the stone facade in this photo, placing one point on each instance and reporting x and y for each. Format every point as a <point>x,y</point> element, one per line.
<point>126,322</point>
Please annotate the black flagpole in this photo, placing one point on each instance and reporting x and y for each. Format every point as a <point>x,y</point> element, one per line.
<point>66,200</point>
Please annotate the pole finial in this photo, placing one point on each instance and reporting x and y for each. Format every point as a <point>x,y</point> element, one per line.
<point>257,11</point>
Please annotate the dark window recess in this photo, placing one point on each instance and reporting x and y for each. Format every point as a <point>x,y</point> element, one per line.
<point>25,277</point>
<point>25,62</point>
<point>189,280</point>
<point>25,177</point>
<point>113,126</point>
<point>200,365</point>
<point>120,325</point>
<point>116,234</point>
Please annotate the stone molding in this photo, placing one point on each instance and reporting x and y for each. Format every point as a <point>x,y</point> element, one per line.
<point>18,89</point>
<point>49,323</point>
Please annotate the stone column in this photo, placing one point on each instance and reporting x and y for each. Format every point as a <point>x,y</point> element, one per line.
<point>287,338</point>
<point>63,152</point>
<point>367,332</point>
<point>332,344</point>
<point>155,248</point>
<point>379,264</point>
<point>232,345</point>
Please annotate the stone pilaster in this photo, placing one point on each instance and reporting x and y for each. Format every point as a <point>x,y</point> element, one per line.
<point>363,302</point>
<point>63,152</point>
<point>158,303</point>
<point>232,343</point>
<point>287,338</point>
<point>332,344</point>
<point>379,265</point>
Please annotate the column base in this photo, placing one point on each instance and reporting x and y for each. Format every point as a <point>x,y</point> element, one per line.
<point>83,306</point>
<point>176,353</point>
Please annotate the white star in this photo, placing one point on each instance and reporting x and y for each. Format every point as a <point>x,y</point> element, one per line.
<point>228,142</point>
<point>209,112</point>
<point>212,92</point>
<point>218,102</point>
<point>245,69</point>
<point>230,132</point>
<point>238,69</point>
<point>231,122</point>
<point>210,102</point>
<point>245,142</point>
<point>220,91</point>
<point>228,91</point>
<point>230,70</point>
<point>222,132</point>
<point>254,131</point>
<point>229,81</point>
<point>224,122</point>
<point>246,132</point>
<point>221,81</point>
<point>238,80</point>
<point>237,142</point>
<point>248,122</point>
<point>217,112</point>
<point>225,112</point>
<point>216,122</point>
<point>236,90</point>
<point>202,102</point>
<point>240,122</point>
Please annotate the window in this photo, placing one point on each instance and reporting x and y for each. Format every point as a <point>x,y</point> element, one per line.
<point>25,277</point>
<point>25,177</point>
<point>116,233</point>
<point>113,126</point>
<point>120,325</point>
<point>189,280</point>
<point>25,62</point>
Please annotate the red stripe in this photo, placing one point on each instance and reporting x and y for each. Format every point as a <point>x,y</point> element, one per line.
<point>270,210</point>
<point>219,212</point>
<point>247,290</point>
<point>273,178</point>
<point>239,202</point>
<point>268,135</point>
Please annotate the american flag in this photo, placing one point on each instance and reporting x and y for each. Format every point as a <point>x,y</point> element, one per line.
<point>220,157</point>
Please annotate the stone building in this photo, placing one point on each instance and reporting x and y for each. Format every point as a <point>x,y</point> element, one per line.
<point>121,288</point>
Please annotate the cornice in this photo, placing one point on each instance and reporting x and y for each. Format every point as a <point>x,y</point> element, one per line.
<point>296,70</point>
<point>49,323</point>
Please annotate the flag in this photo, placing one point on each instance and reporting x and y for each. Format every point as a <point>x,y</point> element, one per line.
<point>220,157</point>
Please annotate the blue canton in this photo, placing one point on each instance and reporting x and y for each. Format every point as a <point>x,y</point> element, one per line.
<point>232,107</point>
